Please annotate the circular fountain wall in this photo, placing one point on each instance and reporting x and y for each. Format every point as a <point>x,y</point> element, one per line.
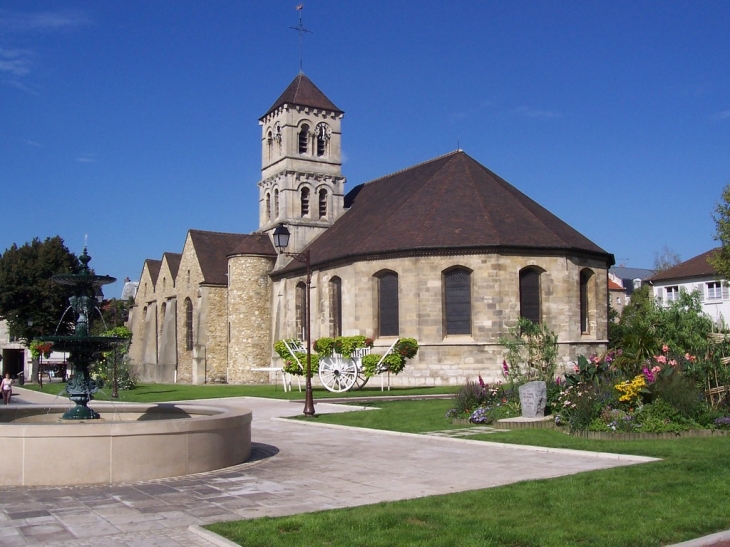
<point>131,442</point>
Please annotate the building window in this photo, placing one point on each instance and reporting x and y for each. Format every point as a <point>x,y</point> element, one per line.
<point>163,309</point>
<point>335,307</point>
<point>457,301</point>
<point>268,206</point>
<point>323,133</point>
<point>672,294</point>
<point>714,290</point>
<point>530,294</point>
<point>276,203</point>
<point>303,139</point>
<point>305,201</point>
<point>585,301</point>
<point>388,320</point>
<point>188,324</point>
<point>300,302</point>
<point>322,203</point>
<point>269,145</point>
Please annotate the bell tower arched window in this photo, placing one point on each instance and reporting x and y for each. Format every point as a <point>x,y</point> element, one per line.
<point>323,134</point>
<point>305,201</point>
<point>304,139</point>
<point>269,145</point>
<point>276,203</point>
<point>268,206</point>
<point>322,203</point>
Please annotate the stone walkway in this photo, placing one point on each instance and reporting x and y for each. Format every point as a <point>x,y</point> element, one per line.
<point>296,467</point>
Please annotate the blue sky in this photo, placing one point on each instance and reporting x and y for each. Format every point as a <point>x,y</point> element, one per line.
<point>133,121</point>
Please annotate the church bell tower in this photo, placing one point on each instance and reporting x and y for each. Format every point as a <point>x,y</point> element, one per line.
<point>301,161</point>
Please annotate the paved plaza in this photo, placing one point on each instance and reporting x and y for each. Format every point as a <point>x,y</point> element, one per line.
<point>295,467</point>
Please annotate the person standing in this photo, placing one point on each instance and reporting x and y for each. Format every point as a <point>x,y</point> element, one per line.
<point>7,388</point>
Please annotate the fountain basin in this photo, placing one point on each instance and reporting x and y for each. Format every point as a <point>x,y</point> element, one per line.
<point>130,443</point>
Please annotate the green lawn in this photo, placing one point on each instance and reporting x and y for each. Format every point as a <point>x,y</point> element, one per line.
<point>159,393</point>
<point>681,497</point>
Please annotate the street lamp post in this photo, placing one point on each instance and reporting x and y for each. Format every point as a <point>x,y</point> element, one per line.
<point>281,241</point>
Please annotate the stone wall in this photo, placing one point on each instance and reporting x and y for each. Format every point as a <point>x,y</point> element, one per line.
<point>187,286</point>
<point>249,316</point>
<point>453,359</point>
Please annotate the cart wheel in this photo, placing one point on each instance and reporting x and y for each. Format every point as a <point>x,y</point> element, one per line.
<point>337,374</point>
<point>360,381</point>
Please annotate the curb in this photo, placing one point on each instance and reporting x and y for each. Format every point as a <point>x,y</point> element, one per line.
<point>211,537</point>
<point>706,541</point>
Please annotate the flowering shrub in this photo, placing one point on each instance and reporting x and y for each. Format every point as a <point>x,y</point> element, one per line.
<point>593,368</point>
<point>532,352</point>
<point>290,364</point>
<point>723,422</point>
<point>394,362</point>
<point>631,389</point>
<point>483,403</point>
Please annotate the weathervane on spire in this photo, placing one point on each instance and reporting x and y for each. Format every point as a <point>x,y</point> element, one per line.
<point>301,31</point>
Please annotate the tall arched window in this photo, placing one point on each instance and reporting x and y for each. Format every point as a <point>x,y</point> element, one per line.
<point>276,203</point>
<point>305,201</point>
<point>335,307</point>
<point>322,203</point>
<point>586,277</point>
<point>188,324</point>
<point>269,145</point>
<point>163,309</point>
<point>303,139</point>
<point>300,303</point>
<point>457,301</point>
<point>388,317</point>
<point>323,133</point>
<point>268,206</point>
<point>530,294</point>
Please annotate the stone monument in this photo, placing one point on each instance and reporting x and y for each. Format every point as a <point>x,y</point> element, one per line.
<point>533,397</point>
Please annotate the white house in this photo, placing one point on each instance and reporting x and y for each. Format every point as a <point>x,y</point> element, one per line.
<point>695,274</point>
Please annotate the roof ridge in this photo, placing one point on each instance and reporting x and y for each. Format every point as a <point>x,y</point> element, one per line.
<point>216,232</point>
<point>406,169</point>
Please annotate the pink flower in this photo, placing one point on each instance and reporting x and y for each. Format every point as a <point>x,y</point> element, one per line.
<point>661,359</point>
<point>576,369</point>
<point>673,363</point>
<point>665,348</point>
<point>656,369</point>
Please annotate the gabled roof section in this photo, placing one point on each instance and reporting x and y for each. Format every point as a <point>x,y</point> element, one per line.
<point>153,266</point>
<point>694,267</point>
<point>451,203</point>
<point>173,262</point>
<point>255,244</point>
<point>212,249</point>
<point>302,92</point>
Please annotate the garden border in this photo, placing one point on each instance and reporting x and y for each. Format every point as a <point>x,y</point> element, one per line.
<point>609,436</point>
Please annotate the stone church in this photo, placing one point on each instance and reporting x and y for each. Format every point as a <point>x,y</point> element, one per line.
<point>445,252</point>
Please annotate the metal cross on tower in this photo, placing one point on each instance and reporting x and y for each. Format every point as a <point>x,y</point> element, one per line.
<point>301,31</point>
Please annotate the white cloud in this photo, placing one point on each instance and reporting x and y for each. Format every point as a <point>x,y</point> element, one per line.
<point>41,21</point>
<point>724,115</point>
<point>86,158</point>
<point>528,112</point>
<point>33,143</point>
<point>16,62</point>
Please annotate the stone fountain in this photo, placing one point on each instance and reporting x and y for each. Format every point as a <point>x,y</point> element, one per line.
<point>83,348</point>
<point>123,442</point>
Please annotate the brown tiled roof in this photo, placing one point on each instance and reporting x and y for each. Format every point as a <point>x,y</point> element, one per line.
<point>153,266</point>
<point>613,286</point>
<point>255,244</point>
<point>212,249</point>
<point>303,92</point>
<point>173,262</point>
<point>451,203</point>
<point>694,267</point>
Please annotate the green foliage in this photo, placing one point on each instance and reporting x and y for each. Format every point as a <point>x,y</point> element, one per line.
<point>394,362</point>
<point>720,260</point>
<point>324,346</point>
<point>28,291</point>
<point>103,370</point>
<point>592,370</point>
<point>532,352</point>
<point>38,348</point>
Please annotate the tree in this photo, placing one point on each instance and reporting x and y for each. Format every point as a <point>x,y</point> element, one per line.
<point>666,259</point>
<point>720,260</point>
<point>27,291</point>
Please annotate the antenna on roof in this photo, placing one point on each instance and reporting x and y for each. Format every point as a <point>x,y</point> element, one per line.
<point>301,31</point>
